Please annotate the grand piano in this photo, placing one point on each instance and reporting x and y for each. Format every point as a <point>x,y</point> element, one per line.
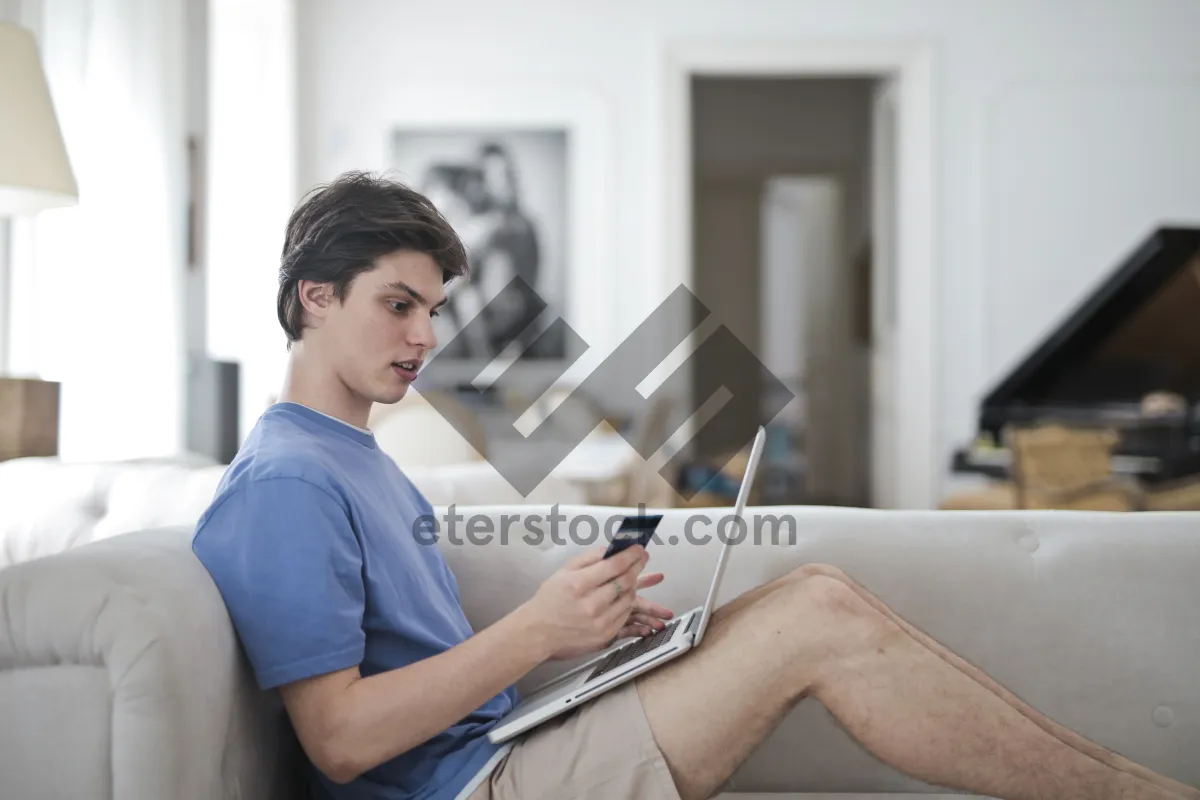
<point>1127,358</point>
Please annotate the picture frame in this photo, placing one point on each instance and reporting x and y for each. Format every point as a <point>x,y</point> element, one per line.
<point>582,118</point>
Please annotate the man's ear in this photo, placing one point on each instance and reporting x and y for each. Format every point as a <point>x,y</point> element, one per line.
<point>315,298</point>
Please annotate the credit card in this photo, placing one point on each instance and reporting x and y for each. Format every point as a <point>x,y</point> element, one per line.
<point>633,530</point>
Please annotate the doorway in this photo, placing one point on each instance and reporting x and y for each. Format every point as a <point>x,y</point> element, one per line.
<point>782,176</point>
<point>901,467</point>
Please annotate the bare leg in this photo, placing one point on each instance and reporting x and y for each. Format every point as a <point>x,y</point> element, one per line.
<point>1067,735</point>
<point>903,696</point>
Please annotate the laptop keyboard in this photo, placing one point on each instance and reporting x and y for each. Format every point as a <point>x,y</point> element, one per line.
<point>632,650</point>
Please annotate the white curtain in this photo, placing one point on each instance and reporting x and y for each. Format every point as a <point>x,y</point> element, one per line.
<point>251,188</point>
<point>98,287</point>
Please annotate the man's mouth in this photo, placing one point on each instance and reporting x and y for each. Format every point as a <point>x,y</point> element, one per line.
<point>407,369</point>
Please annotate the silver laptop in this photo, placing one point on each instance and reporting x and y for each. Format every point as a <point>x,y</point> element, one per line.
<point>621,664</point>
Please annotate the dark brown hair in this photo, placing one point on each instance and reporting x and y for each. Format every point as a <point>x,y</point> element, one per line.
<point>340,228</point>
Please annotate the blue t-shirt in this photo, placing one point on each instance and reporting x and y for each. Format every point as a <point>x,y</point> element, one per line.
<point>314,539</point>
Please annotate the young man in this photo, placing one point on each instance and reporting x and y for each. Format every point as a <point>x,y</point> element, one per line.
<point>310,540</point>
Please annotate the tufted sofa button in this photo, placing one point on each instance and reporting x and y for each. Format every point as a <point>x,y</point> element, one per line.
<point>97,507</point>
<point>1163,717</point>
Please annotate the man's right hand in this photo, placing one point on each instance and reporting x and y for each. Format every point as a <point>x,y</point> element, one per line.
<point>584,605</point>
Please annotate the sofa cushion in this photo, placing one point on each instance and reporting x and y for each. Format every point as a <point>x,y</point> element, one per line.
<point>47,505</point>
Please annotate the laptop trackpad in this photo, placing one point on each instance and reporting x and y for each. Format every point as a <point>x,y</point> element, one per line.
<point>552,689</point>
<point>551,694</point>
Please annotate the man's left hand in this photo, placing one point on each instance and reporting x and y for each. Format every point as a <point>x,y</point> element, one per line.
<point>647,617</point>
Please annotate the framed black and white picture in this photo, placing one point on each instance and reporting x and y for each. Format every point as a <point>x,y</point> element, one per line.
<point>505,191</point>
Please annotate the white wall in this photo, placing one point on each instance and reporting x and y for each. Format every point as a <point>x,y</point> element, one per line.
<point>1064,130</point>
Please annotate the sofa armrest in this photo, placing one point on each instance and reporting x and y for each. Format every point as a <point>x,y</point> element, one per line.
<point>123,648</point>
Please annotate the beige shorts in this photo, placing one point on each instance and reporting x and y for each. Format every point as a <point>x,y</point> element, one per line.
<point>602,750</point>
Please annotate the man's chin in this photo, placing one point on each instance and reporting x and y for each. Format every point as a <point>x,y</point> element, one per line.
<point>392,395</point>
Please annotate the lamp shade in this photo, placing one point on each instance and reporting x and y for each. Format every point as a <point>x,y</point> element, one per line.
<point>35,172</point>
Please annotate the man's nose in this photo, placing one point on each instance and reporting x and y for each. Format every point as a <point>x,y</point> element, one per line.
<point>422,334</point>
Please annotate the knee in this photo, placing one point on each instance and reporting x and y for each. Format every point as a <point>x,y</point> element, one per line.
<point>817,570</point>
<point>825,590</point>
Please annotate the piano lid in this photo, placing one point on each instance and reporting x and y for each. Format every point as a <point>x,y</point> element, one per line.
<point>1139,332</point>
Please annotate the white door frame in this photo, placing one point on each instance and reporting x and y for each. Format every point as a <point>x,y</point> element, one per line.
<point>884,431</point>
<point>917,469</point>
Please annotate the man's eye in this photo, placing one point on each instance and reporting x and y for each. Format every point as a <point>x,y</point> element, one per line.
<point>399,307</point>
<point>435,313</point>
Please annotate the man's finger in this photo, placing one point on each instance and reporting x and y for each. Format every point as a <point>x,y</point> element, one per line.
<point>614,595</point>
<point>606,569</point>
<point>652,579</point>
<point>640,631</point>
<point>585,559</point>
<point>637,618</point>
<point>644,606</point>
<point>633,571</point>
<point>621,607</point>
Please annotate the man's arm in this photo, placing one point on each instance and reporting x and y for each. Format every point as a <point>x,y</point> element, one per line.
<point>348,724</point>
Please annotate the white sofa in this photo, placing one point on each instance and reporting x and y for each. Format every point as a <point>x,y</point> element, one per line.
<point>121,677</point>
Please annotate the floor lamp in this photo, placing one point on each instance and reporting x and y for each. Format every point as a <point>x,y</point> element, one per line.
<point>35,174</point>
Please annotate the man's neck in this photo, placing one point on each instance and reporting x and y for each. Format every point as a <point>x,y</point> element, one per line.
<point>320,390</point>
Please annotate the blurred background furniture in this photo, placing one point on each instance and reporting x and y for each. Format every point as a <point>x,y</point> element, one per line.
<point>1104,412</point>
<point>606,466</point>
<point>35,172</point>
<point>1055,466</point>
<point>28,418</point>
<point>214,392</point>
<point>716,483</point>
<point>1059,467</point>
<point>1127,358</point>
<point>428,428</point>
